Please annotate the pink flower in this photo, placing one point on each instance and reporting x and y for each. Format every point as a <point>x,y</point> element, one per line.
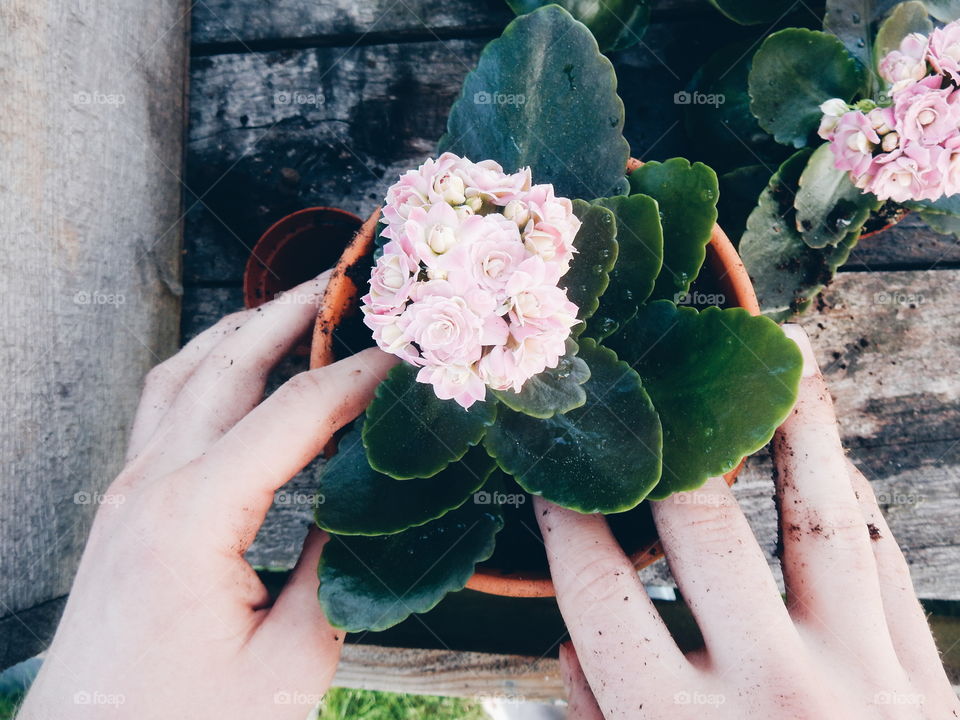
<point>854,141</point>
<point>832,110</point>
<point>445,329</point>
<point>454,382</point>
<point>914,175</point>
<point>925,113</point>
<point>392,279</point>
<point>944,50</point>
<point>902,67</point>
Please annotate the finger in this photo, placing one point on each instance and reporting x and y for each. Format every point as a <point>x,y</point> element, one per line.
<point>828,565</point>
<point>720,569</point>
<point>912,639</point>
<point>581,704</point>
<point>296,629</point>
<point>242,471</point>
<point>230,380</point>
<point>164,382</point>
<point>609,615</point>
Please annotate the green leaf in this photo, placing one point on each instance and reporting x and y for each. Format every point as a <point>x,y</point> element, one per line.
<point>602,457</point>
<point>852,23</point>
<point>721,381</point>
<point>753,12</point>
<point>941,223</point>
<point>410,433</point>
<point>555,390</point>
<point>372,583</point>
<point>717,114</point>
<point>793,72</point>
<point>687,196</point>
<point>596,244</point>
<point>739,191</point>
<point>543,96</point>
<point>947,205</point>
<point>786,272</point>
<point>944,10</point>
<point>829,206</point>
<point>357,500</point>
<point>639,259</point>
<point>616,24</point>
<point>905,18</point>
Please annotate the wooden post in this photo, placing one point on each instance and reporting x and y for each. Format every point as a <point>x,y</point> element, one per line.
<point>91,128</point>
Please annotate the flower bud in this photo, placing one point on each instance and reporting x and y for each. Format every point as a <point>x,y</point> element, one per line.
<point>890,142</point>
<point>858,142</point>
<point>518,212</point>
<point>464,211</point>
<point>835,107</point>
<point>451,188</point>
<point>926,117</point>
<point>474,202</point>
<point>441,239</point>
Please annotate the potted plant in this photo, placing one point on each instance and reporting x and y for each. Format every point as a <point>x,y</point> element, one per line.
<point>556,338</point>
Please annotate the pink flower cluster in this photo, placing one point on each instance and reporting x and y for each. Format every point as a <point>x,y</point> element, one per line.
<point>909,149</point>
<point>467,286</point>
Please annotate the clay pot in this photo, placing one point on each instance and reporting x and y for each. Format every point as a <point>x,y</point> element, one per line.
<point>350,274</point>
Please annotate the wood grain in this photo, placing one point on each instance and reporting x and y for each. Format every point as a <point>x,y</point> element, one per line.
<point>91,114</point>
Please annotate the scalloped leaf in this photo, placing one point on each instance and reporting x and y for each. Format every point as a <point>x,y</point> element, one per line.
<point>616,24</point>
<point>357,500</point>
<point>786,272</point>
<point>555,390</point>
<point>829,206</point>
<point>942,223</point>
<point>589,273</point>
<point>793,72</point>
<point>905,18</point>
<point>753,12</point>
<point>410,433</point>
<point>639,259</point>
<point>687,195</point>
<point>721,380</point>
<point>543,96</point>
<point>373,583</point>
<point>602,457</point>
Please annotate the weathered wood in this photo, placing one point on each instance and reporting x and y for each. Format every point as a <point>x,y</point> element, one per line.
<point>91,113</point>
<point>450,672</point>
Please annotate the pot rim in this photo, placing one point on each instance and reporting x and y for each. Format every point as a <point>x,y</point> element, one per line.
<point>341,293</point>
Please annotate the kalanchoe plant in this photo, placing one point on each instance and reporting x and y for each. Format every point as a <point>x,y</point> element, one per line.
<point>881,90</point>
<point>530,292</point>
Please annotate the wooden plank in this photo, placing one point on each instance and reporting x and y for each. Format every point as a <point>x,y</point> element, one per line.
<point>274,132</point>
<point>91,124</point>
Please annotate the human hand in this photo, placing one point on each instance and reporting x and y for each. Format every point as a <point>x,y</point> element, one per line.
<point>851,642</point>
<point>166,619</point>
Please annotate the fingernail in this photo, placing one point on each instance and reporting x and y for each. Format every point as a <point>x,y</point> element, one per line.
<point>799,336</point>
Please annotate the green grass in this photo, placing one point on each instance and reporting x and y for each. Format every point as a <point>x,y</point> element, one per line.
<point>346,704</point>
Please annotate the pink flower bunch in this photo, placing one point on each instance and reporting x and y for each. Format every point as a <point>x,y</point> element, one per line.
<point>910,149</point>
<point>467,286</point>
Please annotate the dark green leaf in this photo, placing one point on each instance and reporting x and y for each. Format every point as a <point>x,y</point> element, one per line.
<point>357,500</point>
<point>941,223</point>
<point>555,390</point>
<point>944,10</point>
<point>410,433</point>
<point>372,583</point>
<point>602,457</point>
<point>543,96</point>
<point>947,205</point>
<point>616,24</point>
<point>851,22</point>
<point>596,245</point>
<point>721,381</point>
<point>687,196</point>
<point>753,12</point>
<point>793,72</point>
<point>639,259</point>
<point>739,191</point>
<point>905,18</point>
<point>829,206</point>
<point>786,272</point>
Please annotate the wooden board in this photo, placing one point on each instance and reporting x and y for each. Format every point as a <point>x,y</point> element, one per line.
<point>91,117</point>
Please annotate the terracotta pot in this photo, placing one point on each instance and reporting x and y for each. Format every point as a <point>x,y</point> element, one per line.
<point>881,221</point>
<point>722,263</point>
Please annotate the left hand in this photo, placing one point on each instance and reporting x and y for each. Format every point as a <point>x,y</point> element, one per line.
<point>166,619</point>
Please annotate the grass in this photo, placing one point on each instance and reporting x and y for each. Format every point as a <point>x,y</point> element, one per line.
<point>345,704</point>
